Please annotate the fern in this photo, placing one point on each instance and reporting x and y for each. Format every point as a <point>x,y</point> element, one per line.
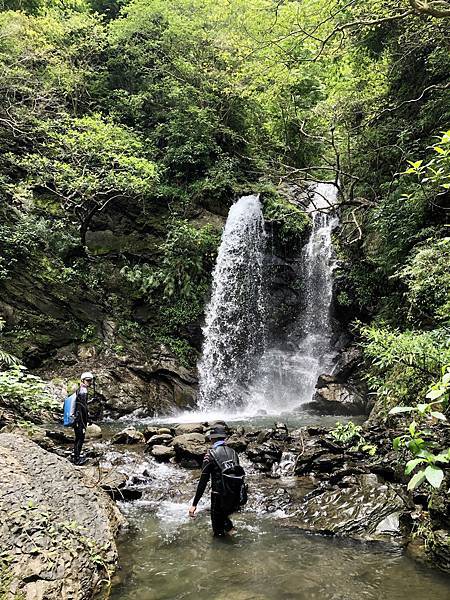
<point>6,358</point>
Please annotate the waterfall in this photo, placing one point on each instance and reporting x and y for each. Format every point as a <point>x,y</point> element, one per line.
<point>314,348</point>
<point>234,324</point>
<point>288,373</point>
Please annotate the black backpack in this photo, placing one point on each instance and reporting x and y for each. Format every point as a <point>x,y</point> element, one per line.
<point>234,489</point>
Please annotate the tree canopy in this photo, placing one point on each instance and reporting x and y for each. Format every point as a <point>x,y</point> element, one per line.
<point>141,115</point>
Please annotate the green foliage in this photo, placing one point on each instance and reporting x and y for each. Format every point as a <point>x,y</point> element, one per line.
<point>21,239</point>
<point>422,444</point>
<point>184,352</point>
<point>401,364</point>
<point>25,392</point>
<point>90,163</point>
<point>349,433</point>
<point>427,277</point>
<point>343,299</point>
<point>177,286</point>
<point>5,357</point>
<point>434,175</point>
<point>188,255</point>
<point>290,221</point>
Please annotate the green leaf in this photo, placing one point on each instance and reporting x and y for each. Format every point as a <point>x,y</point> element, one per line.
<point>433,394</point>
<point>443,457</point>
<point>396,443</point>
<point>401,409</point>
<point>428,456</point>
<point>434,476</point>
<point>416,165</point>
<point>416,480</point>
<point>438,415</point>
<point>412,464</point>
<point>415,445</point>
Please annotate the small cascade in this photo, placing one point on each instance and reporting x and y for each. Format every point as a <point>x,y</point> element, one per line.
<point>288,374</point>
<point>234,328</point>
<point>286,466</point>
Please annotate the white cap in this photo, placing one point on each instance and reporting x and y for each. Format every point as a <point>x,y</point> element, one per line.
<point>86,375</point>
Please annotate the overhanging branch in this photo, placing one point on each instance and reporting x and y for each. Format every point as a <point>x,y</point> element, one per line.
<point>435,8</point>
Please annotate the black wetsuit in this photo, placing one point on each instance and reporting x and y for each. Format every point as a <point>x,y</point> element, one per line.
<point>219,518</point>
<point>81,421</point>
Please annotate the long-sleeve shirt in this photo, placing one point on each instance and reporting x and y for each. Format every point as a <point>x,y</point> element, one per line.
<point>81,407</point>
<point>210,469</point>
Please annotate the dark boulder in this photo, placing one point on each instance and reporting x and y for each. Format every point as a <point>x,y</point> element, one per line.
<point>190,448</point>
<point>237,442</point>
<point>159,440</point>
<point>365,508</point>
<point>333,398</point>
<point>150,431</point>
<point>162,453</point>
<point>189,428</point>
<point>265,455</point>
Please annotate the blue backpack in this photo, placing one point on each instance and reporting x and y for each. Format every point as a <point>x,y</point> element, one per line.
<point>69,410</point>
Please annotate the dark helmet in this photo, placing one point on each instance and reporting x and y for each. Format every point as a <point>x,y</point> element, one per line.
<point>218,432</point>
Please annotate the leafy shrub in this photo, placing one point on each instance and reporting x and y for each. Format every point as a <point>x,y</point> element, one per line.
<point>349,433</point>
<point>88,163</point>
<point>434,175</point>
<point>5,357</point>
<point>422,444</point>
<point>427,276</point>
<point>291,222</point>
<point>401,364</point>
<point>21,239</point>
<point>184,352</point>
<point>25,393</point>
<point>188,256</point>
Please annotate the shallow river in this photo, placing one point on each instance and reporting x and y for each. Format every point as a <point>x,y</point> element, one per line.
<point>170,560</point>
<point>166,556</point>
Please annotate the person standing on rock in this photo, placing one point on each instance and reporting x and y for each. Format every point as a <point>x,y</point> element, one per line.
<point>228,489</point>
<point>81,415</point>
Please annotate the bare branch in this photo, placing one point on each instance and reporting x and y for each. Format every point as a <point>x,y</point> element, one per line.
<point>410,101</point>
<point>358,227</point>
<point>435,8</point>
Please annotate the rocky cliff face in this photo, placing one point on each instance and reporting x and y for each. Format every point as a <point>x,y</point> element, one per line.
<point>60,328</point>
<point>67,312</point>
<point>57,527</point>
<point>143,383</point>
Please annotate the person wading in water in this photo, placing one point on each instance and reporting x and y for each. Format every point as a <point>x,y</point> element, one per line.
<point>228,489</point>
<point>81,415</point>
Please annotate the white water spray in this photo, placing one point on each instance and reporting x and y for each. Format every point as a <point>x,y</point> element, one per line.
<point>234,328</point>
<point>286,378</point>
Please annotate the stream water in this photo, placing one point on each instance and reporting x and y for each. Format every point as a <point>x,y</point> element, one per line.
<point>166,556</point>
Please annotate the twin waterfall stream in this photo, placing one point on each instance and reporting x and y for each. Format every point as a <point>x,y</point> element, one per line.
<point>239,371</point>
